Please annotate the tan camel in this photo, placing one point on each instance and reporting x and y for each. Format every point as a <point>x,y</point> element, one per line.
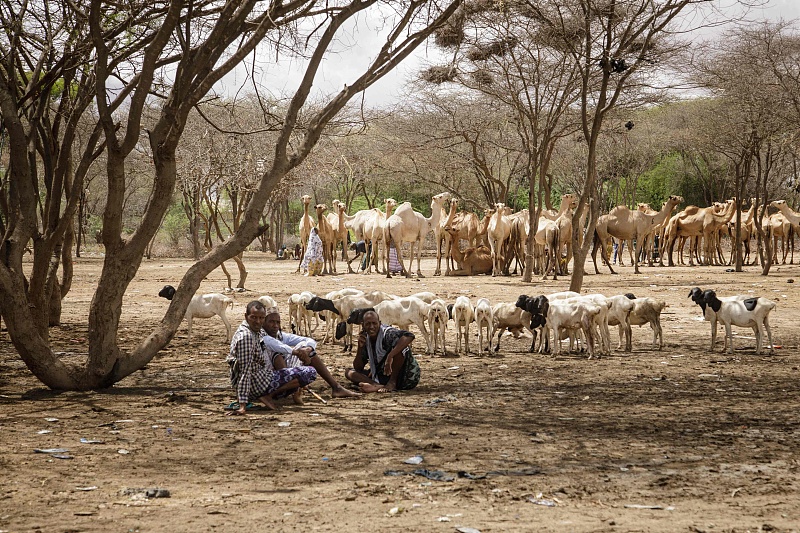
<point>467,227</point>
<point>407,225</point>
<point>498,230</point>
<point>778,226</point>
<point>793,218</point>
<point>337,223</point>
<point>514,249</point>
<point>745,233</point>
<point>483,227</point>
<point>306,223</point>
<point>328,237</point>
<point>695,222</point>
<point>712,227</point>
<point>373,231</point>
<point>626,224</point>
<point>440,236</point>
<point>473,260</point>
<point>568,201</point>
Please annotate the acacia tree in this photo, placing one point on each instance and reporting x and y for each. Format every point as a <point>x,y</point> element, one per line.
<point>172,53</point>
<point>462,143</point>
<point>750,124</point>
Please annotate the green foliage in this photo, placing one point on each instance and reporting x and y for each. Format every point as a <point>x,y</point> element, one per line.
<point>175,226</point>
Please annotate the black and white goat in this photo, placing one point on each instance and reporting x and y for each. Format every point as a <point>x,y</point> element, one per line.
<point>742,311</point>
<point>203,306</point>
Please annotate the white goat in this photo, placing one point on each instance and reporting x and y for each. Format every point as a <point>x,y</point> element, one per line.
<point>267,301</point>
<point>600,320</point>
<point>572,315</point>
<point>484,317</point>
<point>203,306</point>
<point>619,315</point>
<point>509,317</point>
<point>206,306</point>
<point>402,312</point>
<point>647,311</point>
<point>463,315</point>
<point>437,322</point>
<point>299,314</point>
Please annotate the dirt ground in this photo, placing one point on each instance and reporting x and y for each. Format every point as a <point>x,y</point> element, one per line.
<point>659,441</point>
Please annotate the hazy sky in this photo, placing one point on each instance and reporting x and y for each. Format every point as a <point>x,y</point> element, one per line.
<point>352,57</point>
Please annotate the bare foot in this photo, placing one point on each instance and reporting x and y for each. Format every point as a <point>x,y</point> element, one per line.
<point>297,397</point>
<point>341,392</point>
<point>371,387</point>
<point>268,403</point>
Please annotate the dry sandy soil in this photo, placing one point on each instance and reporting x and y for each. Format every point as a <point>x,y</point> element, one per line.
<point>682,439</point>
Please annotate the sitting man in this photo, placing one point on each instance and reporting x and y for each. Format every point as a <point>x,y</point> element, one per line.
<point>387,350</point>
<point>294,351</point>
<point>253,376</point>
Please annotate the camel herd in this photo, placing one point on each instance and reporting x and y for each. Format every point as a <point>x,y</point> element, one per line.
<point>499,239</point>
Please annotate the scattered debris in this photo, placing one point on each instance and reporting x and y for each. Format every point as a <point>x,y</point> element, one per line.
<point>284,424</point>
<point>147,493</point>
<point>88,441</point>
<point>417,459</point>
<point>651,507</point>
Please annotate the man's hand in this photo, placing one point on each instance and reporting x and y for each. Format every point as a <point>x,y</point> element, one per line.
<point>387,365</point>
<point>304,354</point>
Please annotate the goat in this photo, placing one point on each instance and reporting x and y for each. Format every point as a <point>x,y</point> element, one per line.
<point>402,312</point>
<point>437,322</point>
<point>484,317</point>
<point>331,317</point>
<point>572,315</point>
<point>203,306</point>
<point>698,296</point>
<point>509,317</point>
<point>620,315</point>
<point>537,307</point>
<point>646,311</point>
<point>267,301</point>
<point>463,315</point>
<point>345,305</point>
<point>738,311</point>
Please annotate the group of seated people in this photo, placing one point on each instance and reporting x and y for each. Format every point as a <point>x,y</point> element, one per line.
<point>267,364</point>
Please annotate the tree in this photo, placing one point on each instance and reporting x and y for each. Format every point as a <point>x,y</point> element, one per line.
<point>171,53</point>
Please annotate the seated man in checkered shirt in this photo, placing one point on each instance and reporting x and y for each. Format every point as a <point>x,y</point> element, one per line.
<point>253,375</point>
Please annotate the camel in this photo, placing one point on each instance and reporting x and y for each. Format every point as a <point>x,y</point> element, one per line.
<point>711,231</point>
<point>745,233</point>
<point>328,237</point>
<point>696,222</point>
<point>407,225</point>
<point>483,227</point>
<point>473,260</point>
<point>306,223</point>
<point>440,236</point>
<point>779,227</point>
<point>372,230</point>
<point>514,249</point>
<point>337,223</point>
<point>568,201</point>
<point>793,218</point>
<point>626,224</point>
<point>498,230</point>
<point>466,226</point>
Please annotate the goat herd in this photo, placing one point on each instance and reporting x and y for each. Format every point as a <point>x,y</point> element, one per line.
<point>584,319</point>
